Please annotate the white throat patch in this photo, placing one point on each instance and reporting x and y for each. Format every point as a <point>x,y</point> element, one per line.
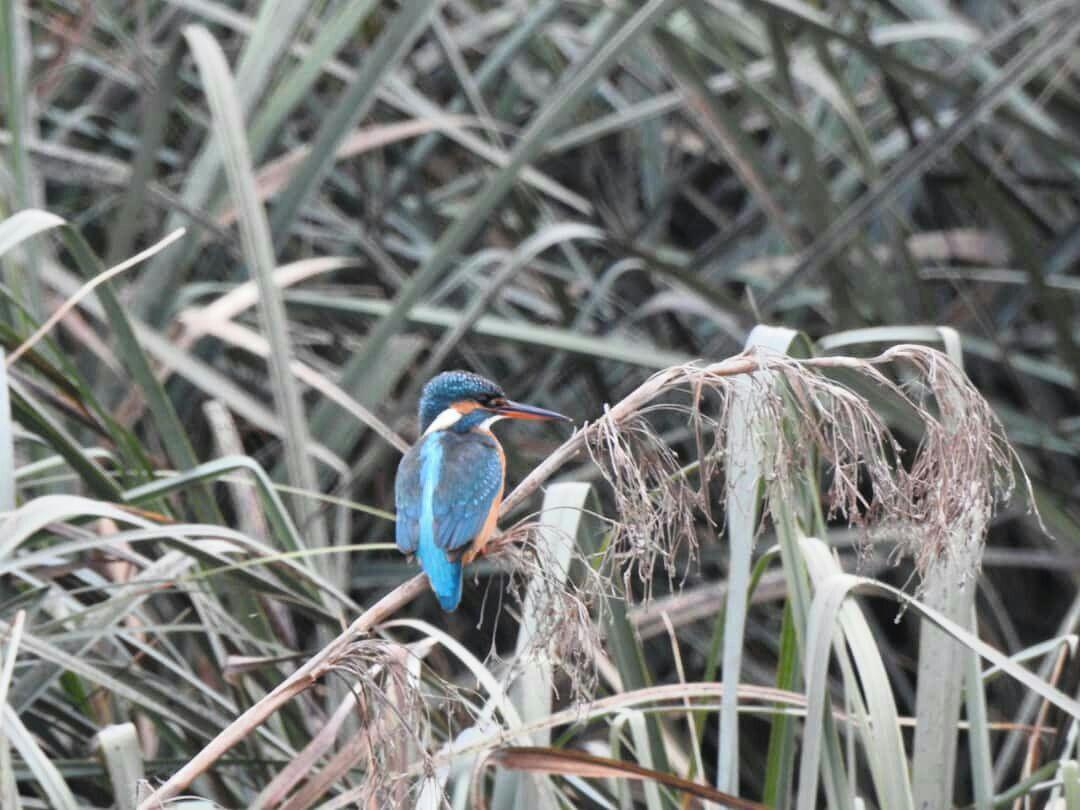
<point>444,420</point>
<point>491,420</point>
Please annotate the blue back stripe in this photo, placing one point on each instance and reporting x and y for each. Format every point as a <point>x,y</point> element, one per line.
<point>443,573</point>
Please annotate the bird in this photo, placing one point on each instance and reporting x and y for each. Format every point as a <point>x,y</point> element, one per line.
<point>449,485</point>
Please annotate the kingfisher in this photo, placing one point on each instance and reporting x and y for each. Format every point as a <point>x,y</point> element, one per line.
<point>450,484</point>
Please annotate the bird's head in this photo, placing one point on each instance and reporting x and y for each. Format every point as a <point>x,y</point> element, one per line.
<point>462,400</point>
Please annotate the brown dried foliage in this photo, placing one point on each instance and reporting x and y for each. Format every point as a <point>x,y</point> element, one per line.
<point>800,419</point>
<point>563,611</point>
<point>391,710</point>
<point>959,471</point>
<point>654,501</point>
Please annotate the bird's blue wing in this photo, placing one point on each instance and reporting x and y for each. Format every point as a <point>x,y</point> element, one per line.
<point>445,488</point>
<point>470,479</point>
<point>407,489</point>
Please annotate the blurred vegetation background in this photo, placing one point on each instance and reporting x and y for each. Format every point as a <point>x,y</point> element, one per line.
<point>197,459</point>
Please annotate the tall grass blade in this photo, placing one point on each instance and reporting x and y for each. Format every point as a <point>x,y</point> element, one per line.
<point>331,35</point>
<point>7,443</point>
<point>159,407</point>
<point>9,792</point>
<point>780,757</point>
<point>45,773</point>
<point>743,513</point>
<point>36,417</point>
<point>619,349</point>
<point>867,685</point>
<point>119,747</point>
<point>275,28</point>
<point>22,225</point>
<point>155,120</point>
<point>607,48</point>
<point>15,62</point>
<point>350,109</point>
<point>644,743</point>
<point>1035,56</point>
<point>942,662</point>
<point>634,671</point>
<point>982,767</point>
<point>1070,778</point>
<point>259,253</point>
<point>826,607</point>
<point>820,750</point>
<point>270,36</point>
<point>533,693</point>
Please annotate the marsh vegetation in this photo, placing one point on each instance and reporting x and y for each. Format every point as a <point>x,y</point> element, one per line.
<point>803,274</point>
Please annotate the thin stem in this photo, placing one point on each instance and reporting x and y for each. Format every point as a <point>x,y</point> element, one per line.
<point>317,666</point>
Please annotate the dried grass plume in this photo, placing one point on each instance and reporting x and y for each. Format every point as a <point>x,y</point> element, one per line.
<point>960,470</point>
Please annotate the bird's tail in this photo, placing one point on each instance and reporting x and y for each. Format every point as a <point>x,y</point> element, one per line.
<point>443,573</point>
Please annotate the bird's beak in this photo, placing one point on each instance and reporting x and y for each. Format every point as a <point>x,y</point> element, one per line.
<point>519,410</point>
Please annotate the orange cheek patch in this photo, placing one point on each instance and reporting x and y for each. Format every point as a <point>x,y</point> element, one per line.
<point>465,406</point>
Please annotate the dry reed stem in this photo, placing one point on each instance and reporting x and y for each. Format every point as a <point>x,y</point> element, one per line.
<point>298,769</point>
<point>961,465</point>
<point>88,288</point>
<point>390,711</point>
<point>565,762</point>
<point>617,415</point>
<point>316,667</point>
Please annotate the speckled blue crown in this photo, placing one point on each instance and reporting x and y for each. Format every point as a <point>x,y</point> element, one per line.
<point>453,386</point>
